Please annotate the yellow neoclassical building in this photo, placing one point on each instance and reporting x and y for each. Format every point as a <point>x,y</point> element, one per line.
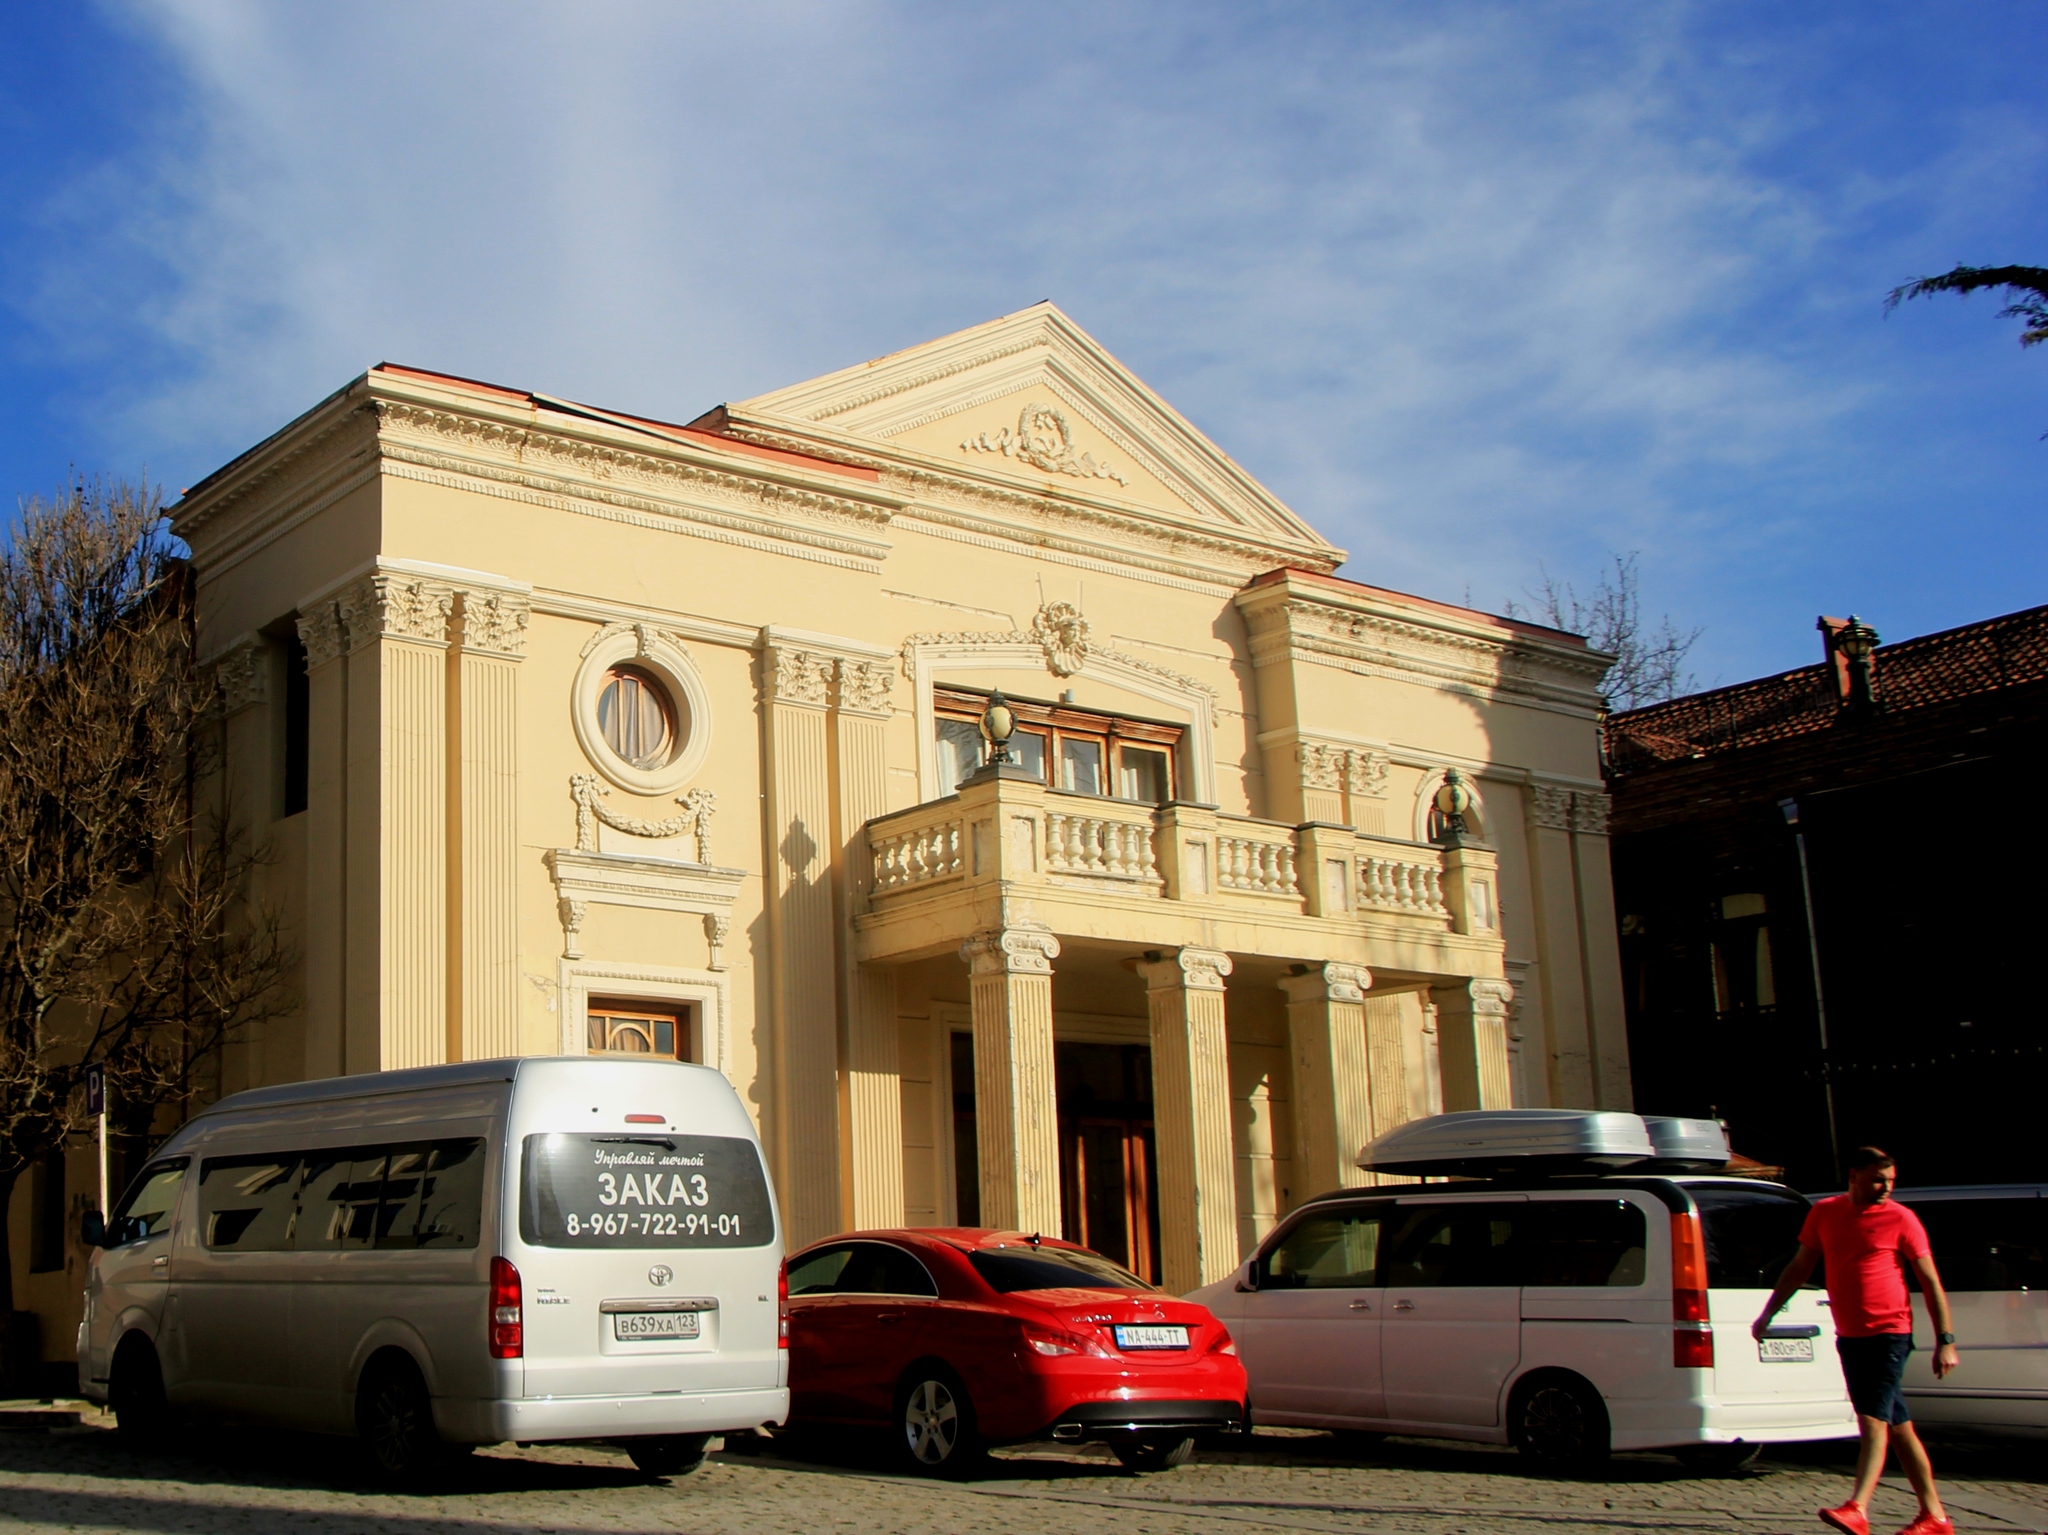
<point>575,731</point>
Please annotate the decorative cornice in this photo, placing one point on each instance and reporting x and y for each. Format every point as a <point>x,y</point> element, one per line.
<point>1016,950</point>
<point>1186,969</point>
<point>758,504</point>
<point>797,676</point>
<point>644,636</point>
<point>588,791</point>
<point>865,686</point>
<point>493,621</point>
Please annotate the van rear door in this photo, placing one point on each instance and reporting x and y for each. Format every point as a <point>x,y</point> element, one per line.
<point>648,1260</point>
<point>1751,1233</point>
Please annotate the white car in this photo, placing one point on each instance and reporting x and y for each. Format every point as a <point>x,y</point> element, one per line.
<point>1568,1315</point>
<point>545,1249</point>
<point>1991,1247</point>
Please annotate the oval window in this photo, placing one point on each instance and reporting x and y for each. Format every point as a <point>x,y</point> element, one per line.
<point>635,717</point>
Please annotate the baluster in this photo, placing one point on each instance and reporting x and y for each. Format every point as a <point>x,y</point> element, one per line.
<point>1076,855</point>
<point>1435,881</point>
<point>1055,842</point>
<point>1290,880</point>
<point>1113,847</point>
<point>1148,864</point>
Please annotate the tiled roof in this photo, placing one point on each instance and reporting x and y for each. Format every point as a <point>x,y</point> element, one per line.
<point>1913,674</point>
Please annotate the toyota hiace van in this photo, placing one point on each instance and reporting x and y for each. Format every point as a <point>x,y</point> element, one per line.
<point>544,1249</point>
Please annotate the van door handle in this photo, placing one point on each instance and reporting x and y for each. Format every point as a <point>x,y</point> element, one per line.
<point>1361,1305</point>
<point>888,1316</point>
<point>1404,1305</point>
<point>163,1261</point>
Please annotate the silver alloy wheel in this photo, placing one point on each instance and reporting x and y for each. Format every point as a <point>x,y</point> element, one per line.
<point>931,1422</point>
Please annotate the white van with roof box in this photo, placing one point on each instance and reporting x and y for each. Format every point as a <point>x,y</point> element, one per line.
<point>1585,1286</point>
<point>540,1249</point>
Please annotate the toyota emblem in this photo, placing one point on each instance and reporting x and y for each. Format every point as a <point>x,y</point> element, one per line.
<point>660,1274</point>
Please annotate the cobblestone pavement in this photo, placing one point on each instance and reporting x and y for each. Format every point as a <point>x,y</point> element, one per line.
<point>233,1482</point>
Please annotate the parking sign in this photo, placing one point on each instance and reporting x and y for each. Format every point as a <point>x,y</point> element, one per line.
<point>95,1089</point>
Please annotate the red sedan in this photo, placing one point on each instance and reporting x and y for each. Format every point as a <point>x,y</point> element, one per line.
<point>961,1339</point>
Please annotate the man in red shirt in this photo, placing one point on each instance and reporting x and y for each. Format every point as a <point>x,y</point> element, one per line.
<point>1869,1241</point>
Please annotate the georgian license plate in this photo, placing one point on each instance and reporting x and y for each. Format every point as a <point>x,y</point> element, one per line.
<point>1785,1350</point>
<point>1151,1337</point>
<point>655,1324</point>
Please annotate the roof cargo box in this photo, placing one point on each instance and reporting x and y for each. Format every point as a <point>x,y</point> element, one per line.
<point>1686,1145</point>
<point>1486,1143</point>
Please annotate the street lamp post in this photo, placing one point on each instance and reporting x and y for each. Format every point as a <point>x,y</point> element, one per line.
<point>998,724</point>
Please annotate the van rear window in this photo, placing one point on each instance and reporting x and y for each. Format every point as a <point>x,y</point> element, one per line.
<point>1751,1233</point>
<point>643,1191</point>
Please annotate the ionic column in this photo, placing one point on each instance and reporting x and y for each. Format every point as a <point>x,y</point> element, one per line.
<point>803,980</point>
<point>1191,1117</point>
<point>1332,1074</point>
<point>1472,1044</point>
<point>1386,1060</point>
<point>397,795</point>
<point>1016,1113</point>
<point>873,1078</point>
<point>324,935</point>
<point>483,1000</point>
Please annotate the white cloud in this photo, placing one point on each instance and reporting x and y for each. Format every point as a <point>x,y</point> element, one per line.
<point>1473,288</point>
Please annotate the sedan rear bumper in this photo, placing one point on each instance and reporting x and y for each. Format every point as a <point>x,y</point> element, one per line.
<point>1092,1420</point>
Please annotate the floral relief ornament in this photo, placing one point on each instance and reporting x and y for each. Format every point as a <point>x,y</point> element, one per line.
<point>588,791</point>
<point>1062,633</point>
<point>1045,441</point>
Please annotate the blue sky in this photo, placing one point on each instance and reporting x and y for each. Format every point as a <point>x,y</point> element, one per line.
<point>1480,290</point>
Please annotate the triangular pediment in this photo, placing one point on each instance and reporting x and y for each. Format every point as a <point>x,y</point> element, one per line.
<point>1031,400</point>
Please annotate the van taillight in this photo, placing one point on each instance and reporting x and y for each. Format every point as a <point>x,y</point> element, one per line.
<point>508,1333</point>
<point>1692,1336</point>
<point>782,1305</point>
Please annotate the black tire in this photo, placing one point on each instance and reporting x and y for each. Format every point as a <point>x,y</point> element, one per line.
<point>142,1413</point>
<point>1152,1452</point>
<point>1717,1459</point>
<point>1559,1420</point>
<point>395,1421</point>
<point>935,1429</point>
<point>667,1454</point>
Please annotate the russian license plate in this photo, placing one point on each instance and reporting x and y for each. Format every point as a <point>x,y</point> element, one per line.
<point>1151,1337</point>
<point>655,1324</point>
<point>1785,1350</point>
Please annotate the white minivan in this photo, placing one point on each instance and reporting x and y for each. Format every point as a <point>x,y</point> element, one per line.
<point>541,1249</point>
<point>1566,1314</point>
<point>1991,1248</point>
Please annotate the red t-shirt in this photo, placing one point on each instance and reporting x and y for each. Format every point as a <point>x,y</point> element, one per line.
<point>1867,1252</point>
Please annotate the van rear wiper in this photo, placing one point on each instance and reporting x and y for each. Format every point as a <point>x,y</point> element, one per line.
<point>634,1140</point>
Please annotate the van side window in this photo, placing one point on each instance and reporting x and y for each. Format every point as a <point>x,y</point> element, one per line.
<point>1455,1245</point>
<point>1338,1251</point>
<point>1584,1242</point>
<point>146,1209</point>
<point>1988,1244</point>
<point>246,1203</point>
<point>433,1195</point>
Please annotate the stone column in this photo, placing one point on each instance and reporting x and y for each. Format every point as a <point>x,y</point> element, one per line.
<point>1472,1043</point>
<point>873,1104</point>
<point>1191,1117</point>
<point>1016,1113</point>
<point>803,982</point>
<point>245,791</point>
<point>1607,1026</point>
<point>483,896</point>
<point>1561,957</point>
<point>324,935</point>
<point>1332,1074</point>
<point>397,1012</point>
<point>1386,1056</point>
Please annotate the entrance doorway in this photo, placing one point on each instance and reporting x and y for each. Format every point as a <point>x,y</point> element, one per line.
<point>1109,1170</point>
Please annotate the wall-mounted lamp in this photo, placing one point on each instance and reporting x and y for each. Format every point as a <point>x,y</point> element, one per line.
<point>1453,799</point>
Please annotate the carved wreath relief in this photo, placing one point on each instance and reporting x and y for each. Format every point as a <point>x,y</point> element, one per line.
<point>1045,441</point>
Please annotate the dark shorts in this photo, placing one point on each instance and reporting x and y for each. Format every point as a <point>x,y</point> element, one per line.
<point>1873,1368</point>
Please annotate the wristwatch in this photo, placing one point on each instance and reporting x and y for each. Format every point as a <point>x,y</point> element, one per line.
<point>1944,1339</point>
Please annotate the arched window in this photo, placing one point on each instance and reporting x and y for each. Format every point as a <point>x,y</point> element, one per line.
<point>636,717</point>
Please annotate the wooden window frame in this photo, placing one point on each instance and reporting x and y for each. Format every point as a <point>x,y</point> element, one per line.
<point>683,1015</point>
<point>1059,722</point>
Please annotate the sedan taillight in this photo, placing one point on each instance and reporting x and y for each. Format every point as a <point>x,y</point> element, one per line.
<point>508,1331</point>
<point>1223,1343</point>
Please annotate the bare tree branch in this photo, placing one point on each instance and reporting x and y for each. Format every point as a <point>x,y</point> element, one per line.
<point>1649,666</point>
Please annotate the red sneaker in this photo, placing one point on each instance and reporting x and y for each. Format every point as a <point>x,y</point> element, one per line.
<point>1925,1524</point>
<point>1851,1520</point>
